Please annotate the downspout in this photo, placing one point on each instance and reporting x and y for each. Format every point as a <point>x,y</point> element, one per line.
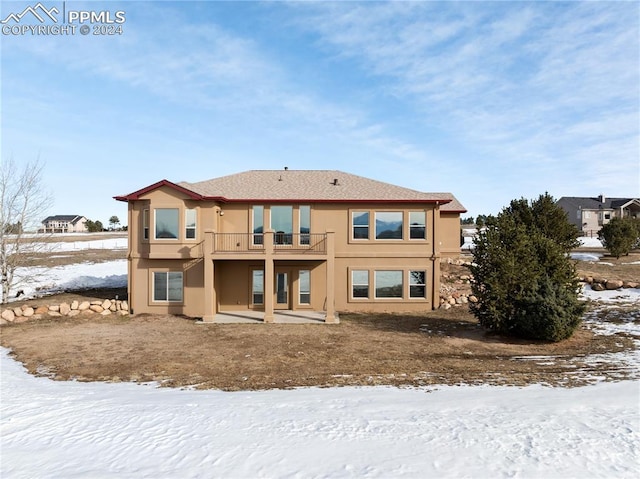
<point>435,256</point>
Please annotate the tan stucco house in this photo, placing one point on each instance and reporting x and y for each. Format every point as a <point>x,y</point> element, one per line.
<point>287,239</point>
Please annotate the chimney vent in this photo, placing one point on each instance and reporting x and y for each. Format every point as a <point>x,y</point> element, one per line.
<point>602,198</point>
<point>335,182</point>
<point>286,168</point>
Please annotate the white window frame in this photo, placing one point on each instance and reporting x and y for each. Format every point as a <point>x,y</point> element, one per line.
<point>188,228</point>
<point>354,284</point>
<point>424,285</point>
<point>168,274</point>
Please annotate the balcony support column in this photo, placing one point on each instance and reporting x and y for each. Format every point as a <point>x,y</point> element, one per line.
<point>330,316</point>
<point>268,277</point>
<point>210,299</point>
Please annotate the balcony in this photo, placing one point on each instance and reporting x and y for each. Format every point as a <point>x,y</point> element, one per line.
<point>248,244</point>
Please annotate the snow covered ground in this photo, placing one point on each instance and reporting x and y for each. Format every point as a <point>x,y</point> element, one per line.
<point>78,430</point>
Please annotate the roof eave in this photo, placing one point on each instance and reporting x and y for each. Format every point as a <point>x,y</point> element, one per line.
<point>137,194</point>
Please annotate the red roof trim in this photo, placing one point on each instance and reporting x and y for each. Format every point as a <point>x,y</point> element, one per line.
<point>195,196</point>
<point>311,200</point>
<point>137,194</point>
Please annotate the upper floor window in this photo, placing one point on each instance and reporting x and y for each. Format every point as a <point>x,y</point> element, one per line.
<point>417,225</point>
<point>167,223</point>
<point>360,221</point>
<point>145,224</point>
<point>305,223</point>
<point>388,224</point>
<point>190,224</point>
<point>258,224</point>
<point>282,224</point>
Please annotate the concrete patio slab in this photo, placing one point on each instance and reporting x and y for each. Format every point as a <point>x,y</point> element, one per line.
<point>280,317</point>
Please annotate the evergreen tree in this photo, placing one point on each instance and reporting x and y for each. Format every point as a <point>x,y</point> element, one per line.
<point>620,235</point>
<point>523,278</point>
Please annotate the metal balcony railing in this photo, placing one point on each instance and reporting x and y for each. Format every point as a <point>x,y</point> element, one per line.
<point>290,243</point>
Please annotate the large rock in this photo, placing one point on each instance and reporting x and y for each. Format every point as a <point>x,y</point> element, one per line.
<point>106,312</point>
<point>55,308</point>
<point>17,311</point>
<point>106,304</point>
<point>613,284</point>
<point>74,312</point>
<point>597,286</point>
<point>96,308</point>
<point>28,312</point>
<point>473,299</point>
<point>42,310</point>
<point>65,309</point>
<point>8,315</point>
<point>74,305</point>
<point>630,284</point>
<point>124,306</point>
<point>84,305</point>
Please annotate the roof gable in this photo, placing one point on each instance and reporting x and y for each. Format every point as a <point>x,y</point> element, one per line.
<point>137,194</point>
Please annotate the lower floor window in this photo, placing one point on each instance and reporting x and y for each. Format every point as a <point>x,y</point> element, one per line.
<point>360,284</point>
<point>305,286</point>
<point>388,284</point>
<point>257,286</point>
<point>417,284</point>
<point>167,286</point>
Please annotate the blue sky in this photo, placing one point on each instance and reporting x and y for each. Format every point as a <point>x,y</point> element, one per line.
<point>488,100</point>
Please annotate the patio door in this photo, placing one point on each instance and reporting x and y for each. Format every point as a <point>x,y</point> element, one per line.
<point>282,289</point>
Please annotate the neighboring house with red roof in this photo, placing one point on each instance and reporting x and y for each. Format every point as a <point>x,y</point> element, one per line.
<point>64,224</point>
<point>589,214</point>
<point>313,240</point>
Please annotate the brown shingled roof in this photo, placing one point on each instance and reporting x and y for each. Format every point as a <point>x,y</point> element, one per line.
<point>308,185</point>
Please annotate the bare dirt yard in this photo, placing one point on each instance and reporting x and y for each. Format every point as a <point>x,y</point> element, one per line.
<point>437,347</point>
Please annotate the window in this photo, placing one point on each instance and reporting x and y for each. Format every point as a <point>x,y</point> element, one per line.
<point>282,224</point>
<point>190,224</point>
<point>305,224</point>
<point>417,223</point>
<point>167,223</point>
<point>258,224</point>
<point>417,284</point>
<point>360,284</point>
<point>167,286</point>
<point>257,286</point>
<point>145,224</point>
<point>360,221</point>
<point>304,286</point>
<point>388,284</point>
<point>388,224</point>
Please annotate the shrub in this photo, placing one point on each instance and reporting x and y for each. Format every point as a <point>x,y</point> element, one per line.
<point>620,236</point>
<point>523,278</point>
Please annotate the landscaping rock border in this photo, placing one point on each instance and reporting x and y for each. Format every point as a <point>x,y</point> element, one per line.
<point>27,312</point>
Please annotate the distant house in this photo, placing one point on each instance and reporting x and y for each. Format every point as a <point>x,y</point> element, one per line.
<point>64,224</point>
<point>292,240</point>
<point>590,214</point>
